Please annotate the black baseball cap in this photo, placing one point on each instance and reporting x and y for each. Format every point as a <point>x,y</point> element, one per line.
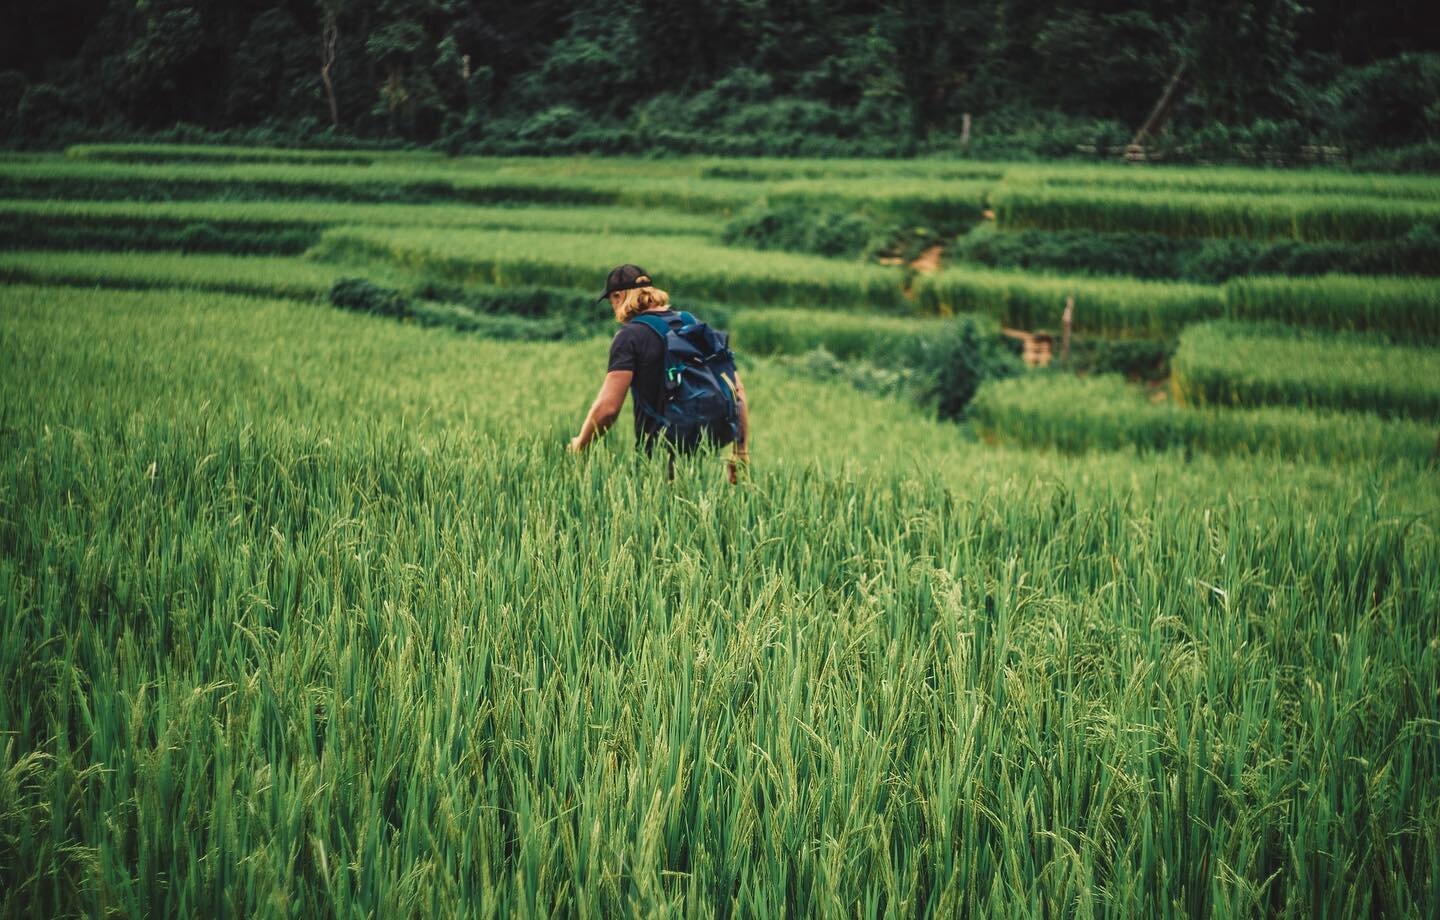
<point>625,278</point>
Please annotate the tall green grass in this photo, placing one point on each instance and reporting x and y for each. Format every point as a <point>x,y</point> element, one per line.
<point>1238,364</point>
<point>1106,413</point>
<point>845,334</point>
<point>775,170</point>
<point>477,183</point>
<point>1405,308</point>
<point>1402,307</point>
<point>1310,217</point>
<point>309,613</point>
<point>205,153</point>
<point>273,276</point>
<point>1110,306</point>
<point>901,197</point>
<point>293,226</point>
<point>1226,180</point>
<point>377,183</point>
<point>683,266</point>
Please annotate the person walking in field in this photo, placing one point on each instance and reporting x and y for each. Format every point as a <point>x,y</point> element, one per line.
<point>680,371</point>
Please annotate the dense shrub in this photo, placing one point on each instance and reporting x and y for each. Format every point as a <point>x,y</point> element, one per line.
<point>365,296</point>
<point>952,365</point>
<point>1143,255</point>
<point>524,300</point>
<point>12,89</point>
<point>492,326</point>
<point>1423,157</point>
<point>523,313</point>
<point>1393,102</point>
<point>1136,359</point>
<point>802,229</point>
<point>865,376</point>
<point>44,112</point>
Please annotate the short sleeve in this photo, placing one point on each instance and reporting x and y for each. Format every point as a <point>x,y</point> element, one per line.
<point>623,353</point>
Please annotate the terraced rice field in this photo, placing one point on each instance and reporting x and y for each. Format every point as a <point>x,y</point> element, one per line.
<point>307,611</point>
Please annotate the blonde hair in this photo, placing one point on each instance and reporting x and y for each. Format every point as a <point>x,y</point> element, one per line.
<point>637,300</point>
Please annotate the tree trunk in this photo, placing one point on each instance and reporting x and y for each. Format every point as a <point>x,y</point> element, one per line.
<point>329,39</point>
<point>1066,320</point>
<point>1162,109</point>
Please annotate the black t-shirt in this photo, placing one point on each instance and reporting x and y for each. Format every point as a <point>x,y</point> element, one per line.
<point>637,348</point>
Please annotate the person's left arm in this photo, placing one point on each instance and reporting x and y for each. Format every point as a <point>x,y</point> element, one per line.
<point>606,408</point>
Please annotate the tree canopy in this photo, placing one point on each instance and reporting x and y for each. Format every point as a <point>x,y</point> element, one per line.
<point>744,76</point>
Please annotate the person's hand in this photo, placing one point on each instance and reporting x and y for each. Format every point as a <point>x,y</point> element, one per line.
<point>575,446</point>
<point>735,464</point>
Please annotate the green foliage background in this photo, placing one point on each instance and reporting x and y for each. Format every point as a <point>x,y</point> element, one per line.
<point>1262,78</point>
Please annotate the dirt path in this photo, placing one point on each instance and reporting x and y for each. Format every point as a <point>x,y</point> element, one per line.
<point>928,262</point>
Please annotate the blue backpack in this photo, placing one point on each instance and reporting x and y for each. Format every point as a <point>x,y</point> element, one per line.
<point>699,401</point>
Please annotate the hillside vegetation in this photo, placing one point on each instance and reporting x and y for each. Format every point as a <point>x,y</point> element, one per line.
<point>308,612</point>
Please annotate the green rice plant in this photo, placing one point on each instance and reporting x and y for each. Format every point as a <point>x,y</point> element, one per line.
<point>1313,218</point>
<point>1406,308</point>
<point>309,612</point>
<point>204,153</point>
<point>293,226</point>
<point>1199,261</point>
<point>901,198</point>
<point>1105,413</point>
<point>1241,364</point>
<point>686,267</point>
<point>1103,306</point>
<point>378,183</point>
<point>481,183</point>
<point>775,170</point>
<point>1226,180</point>
<point>262,275</point>
<point>847,335</point>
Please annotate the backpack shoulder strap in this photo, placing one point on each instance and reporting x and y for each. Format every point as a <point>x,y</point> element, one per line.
<point>687,318</point>
<point>654,323</point>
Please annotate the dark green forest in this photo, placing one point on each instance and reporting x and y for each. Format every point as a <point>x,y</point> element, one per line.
<point>1272,80</point>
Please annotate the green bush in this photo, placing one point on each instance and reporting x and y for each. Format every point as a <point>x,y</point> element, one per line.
<point>1142,255</point>
<point>365,296</point>
<point>865,376</point>
<point>798,228</point>
<point>493,326</point>
<point>44,111</point>
<point>520,314</point>
<point>522,301</point>
<point>12,89</point>
<point>1422,158</point>
<point>1136,359</point>
<point>953,364</point>
<point>1392,102</point>
<point>939,362</point>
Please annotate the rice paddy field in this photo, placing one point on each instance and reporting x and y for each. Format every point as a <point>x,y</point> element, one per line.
<point>307,612</point>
